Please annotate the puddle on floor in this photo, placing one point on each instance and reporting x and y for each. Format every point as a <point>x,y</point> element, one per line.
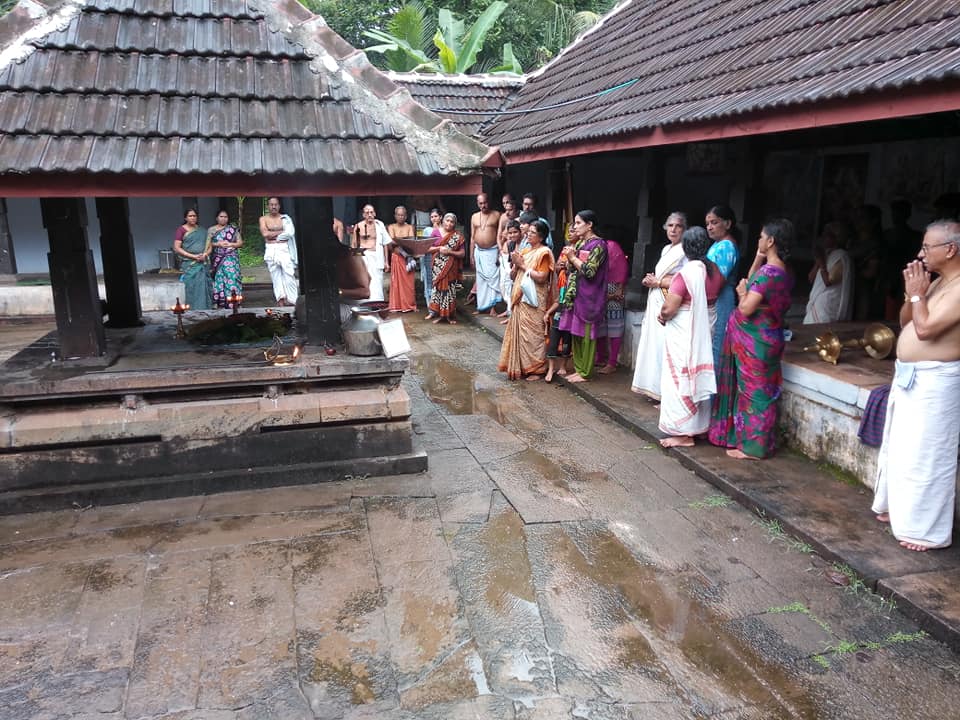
<point>710,656</point>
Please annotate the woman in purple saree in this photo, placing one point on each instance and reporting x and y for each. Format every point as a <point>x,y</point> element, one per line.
<point>749,379</point>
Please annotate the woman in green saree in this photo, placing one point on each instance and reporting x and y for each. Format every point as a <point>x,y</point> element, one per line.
<point>192,244</point>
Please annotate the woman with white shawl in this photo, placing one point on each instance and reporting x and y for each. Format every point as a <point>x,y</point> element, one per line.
<point>648,359</point>
<point>687,381</point>
<point>831,297</point>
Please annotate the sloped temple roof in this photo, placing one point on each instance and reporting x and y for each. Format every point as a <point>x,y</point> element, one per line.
<point>656,72</point>
<point>156,97</point>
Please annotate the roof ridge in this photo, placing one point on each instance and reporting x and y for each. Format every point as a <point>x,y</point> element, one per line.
<point>30,21</point>
<point>485,79</point>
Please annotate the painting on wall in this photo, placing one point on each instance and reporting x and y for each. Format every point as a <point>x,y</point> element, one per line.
<point>843,187</point>
<point>791,185</point>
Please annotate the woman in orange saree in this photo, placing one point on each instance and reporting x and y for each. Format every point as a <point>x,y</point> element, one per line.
<point>523,353</point>
<point>448,255</point>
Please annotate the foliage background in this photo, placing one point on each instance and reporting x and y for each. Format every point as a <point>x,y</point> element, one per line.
<point>530,25</point>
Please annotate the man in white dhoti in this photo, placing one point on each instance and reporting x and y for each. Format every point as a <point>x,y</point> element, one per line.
<point>484,232</point>
<point>371,235</point>
<point>917,466</point>
<point>280,252</point>
<point>687,380</point>
<point>648,359</point>
<point>831,297</point>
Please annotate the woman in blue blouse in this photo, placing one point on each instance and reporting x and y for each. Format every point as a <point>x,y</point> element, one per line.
<point>721,227</point>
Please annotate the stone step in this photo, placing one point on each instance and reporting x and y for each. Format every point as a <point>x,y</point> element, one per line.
<point>57,497</point>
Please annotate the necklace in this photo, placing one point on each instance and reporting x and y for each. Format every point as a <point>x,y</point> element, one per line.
<point>943,284</point>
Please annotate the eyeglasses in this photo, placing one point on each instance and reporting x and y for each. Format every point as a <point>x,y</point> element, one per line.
<point>927,248</point>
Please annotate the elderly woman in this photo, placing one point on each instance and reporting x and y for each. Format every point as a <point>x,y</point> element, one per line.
<point>192,243</point>
<point>585,297</point>
<point>447,253</point>
<point>721,226</point>
<point>831,297</point>
<point>749,378</point>
<point>649,357</point>
<point>225,240</point>
<point>687,316</point>
<point>523,353</point>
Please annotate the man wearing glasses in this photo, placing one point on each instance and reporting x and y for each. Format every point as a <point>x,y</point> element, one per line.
<point>917,466</point>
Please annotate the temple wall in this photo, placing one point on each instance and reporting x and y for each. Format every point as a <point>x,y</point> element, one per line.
<point>152,222</point>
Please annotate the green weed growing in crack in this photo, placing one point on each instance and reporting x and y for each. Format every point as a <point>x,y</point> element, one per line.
<point>801,609</point>
<point>777,534</point>
<point>718,500</point>
<point>857,587</point>
<point>846,647</point>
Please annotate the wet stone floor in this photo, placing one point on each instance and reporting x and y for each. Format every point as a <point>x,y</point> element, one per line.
<point>550,565</point>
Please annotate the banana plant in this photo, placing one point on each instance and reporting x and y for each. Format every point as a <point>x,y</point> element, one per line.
<point>455,49</point>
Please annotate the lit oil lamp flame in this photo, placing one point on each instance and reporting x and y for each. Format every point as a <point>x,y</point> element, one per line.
<point>235,300</point>
<point>179,309</point>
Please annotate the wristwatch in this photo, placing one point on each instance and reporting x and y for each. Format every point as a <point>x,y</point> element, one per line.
<point>914,298</point>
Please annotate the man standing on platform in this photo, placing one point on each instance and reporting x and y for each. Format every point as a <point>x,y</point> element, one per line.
<point>280,252</point>
<point>484,229</point>
<point>372,237</point>
<point>917,465</point>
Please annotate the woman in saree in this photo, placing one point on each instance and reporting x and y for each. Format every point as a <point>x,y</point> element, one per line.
<point>523,353</point>
<point>648,360</point>
<point>687,317</point>
<point>614,322</point>
<point>225,264</point>
<point>447,253</point>
<point>403,296</point>
<point>426,260</point>
<point>721,226</point>
<point>192,244</point>
<point>749,378</point>
<point>585,298</point>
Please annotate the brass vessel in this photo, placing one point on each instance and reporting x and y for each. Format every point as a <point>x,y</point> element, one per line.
<point>878,341</point>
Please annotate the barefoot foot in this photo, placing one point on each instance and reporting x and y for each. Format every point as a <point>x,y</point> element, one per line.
<point>505,321</point>
<point>532,378</point>
<point>607,370</point>
<point>679,441</point>
<point>739,454</point>
<point>883,517</point>
<point>913,546</point>
<point>576,378</point>
<point>451,321</point>
<point>436,320</point>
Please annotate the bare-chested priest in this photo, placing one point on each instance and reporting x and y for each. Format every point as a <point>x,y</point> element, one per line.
<point>917,466</point>
<point>484,228</point>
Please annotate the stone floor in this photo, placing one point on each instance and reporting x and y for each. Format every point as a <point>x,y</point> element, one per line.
<point>551,564</point>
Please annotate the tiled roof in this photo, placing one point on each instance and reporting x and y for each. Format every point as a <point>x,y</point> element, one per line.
<point>226,87</point>
<point>465,100</point>
<point>689,61</point>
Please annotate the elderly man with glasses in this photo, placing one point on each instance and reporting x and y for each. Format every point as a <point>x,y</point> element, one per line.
<point>917,466</point>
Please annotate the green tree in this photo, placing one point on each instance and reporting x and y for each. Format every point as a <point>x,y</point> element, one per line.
<point>406,43</point>
<point>535,29</point>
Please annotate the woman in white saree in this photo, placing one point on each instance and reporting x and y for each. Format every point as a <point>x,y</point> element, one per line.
<point>688,382</point>
<point>649,356</point>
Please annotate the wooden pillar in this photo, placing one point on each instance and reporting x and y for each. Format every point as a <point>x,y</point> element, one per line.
<point>119,263</point>
<point>649,174</point>
<point>746,197</point>
<point>76,300</point>
<point>317,247</point>
<point>8,262</point>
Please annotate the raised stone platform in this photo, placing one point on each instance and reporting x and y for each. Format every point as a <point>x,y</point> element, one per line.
<point>158,416</point>
<point>32,295</point>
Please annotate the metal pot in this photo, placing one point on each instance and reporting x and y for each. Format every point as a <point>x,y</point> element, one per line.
<point>360,331</point>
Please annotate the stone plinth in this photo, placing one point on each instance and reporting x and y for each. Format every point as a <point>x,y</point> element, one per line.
<point>159,417</point>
